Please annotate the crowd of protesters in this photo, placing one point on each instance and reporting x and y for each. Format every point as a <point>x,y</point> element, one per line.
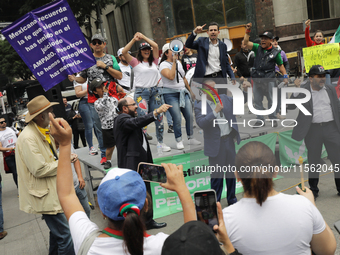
<point>127,96</point>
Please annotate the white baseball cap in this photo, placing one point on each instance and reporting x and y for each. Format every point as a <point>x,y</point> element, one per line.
<point>120,52</point>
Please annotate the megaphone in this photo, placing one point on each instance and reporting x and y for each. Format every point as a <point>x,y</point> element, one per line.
<point>176,45</point>
<point>229,44</point>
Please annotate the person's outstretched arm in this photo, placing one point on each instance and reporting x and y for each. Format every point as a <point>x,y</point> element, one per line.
<point>323,243</point>
<point>62,132</point>
<point>176,182</point>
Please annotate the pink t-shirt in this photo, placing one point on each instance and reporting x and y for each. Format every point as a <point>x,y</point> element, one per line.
<point>146,76</point>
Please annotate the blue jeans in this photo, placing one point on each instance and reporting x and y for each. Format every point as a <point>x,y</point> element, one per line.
<point>82,196</point>
<point>1,212</point>
<point>97,129</point>
<point>60,236</point>
<point>260,90</point>
<point>147,100</point>
<point>85,113</point>
<point>175,111</point>
<point>169,118</point>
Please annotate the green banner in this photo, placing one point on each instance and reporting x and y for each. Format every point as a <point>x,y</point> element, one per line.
<point>166,202</point>
<point>290,149</point>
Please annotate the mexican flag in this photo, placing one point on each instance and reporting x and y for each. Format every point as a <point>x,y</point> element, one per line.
<point>336,37</point>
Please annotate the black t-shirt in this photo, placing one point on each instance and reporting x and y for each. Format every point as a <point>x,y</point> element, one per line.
<point>189,61</point>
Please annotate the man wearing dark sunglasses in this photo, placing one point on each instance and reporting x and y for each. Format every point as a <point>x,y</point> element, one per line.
<point>8,139</point>
<point>107,69</point>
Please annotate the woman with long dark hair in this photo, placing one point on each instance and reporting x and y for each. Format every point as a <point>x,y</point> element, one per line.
<point>121,198</point>
<point>177,92</point>
<point>265,221</point>
<point>146,79</point>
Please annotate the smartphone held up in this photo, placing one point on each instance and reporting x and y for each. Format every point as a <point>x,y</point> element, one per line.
<point>206,209</point>
<point>152,173</point>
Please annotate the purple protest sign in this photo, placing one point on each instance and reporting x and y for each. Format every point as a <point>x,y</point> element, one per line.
<point>50,42</point>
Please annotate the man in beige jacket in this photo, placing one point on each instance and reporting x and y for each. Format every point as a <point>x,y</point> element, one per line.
<point>37,163</point>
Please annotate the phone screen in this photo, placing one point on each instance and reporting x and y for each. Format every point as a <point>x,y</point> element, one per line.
<point>152,173</point>
<point>206,210</point>
<point>337,226</point>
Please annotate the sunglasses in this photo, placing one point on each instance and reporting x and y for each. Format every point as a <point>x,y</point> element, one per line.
<point>97,42</point>
<point>2,122</point>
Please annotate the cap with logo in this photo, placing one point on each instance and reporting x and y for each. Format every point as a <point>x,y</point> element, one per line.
<point>144,45</point>
<point>120,187</point>
<point>96,83</point>
<point>317,69</point>
<point>98,37</point>
<point>120,52</point>
<point>267,34</point>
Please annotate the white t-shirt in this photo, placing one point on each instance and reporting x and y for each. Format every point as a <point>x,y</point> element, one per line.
<point>284,224</point>
<point>83,85</point>
<point>167,83</point>
<point>126,72</point>
<point>146,76</point>
<point>81,226</point>
<point>8,137</point>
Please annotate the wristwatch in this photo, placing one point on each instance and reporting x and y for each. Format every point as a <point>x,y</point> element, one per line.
<point>106,67</point>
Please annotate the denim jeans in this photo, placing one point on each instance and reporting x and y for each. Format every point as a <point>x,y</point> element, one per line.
<point>97,129</point>
<point>260,90</point>
<point>1,212</point>
<point>175,111</point>
<point>85,113</point>
<point>60,235</point>
<point>82,196</point>
<point>147,100</point>
<point>10,161</point>
<point>169,118</point>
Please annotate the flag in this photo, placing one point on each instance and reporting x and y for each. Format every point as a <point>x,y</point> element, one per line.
<point>336,37</point>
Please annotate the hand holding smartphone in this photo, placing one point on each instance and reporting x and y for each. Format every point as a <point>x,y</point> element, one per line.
<point>206,210</point>
<point>152,173</point>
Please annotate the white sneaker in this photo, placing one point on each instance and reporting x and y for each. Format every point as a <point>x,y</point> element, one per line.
<point>193,141</point>
<point>165,148</point>
<point>180,145</point>
<point>93,151</point>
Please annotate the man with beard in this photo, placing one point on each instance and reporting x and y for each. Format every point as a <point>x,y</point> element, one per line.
<point>132,145</point>
<point>127,82</point>
<point>263,73</point>
<point>321,127</point>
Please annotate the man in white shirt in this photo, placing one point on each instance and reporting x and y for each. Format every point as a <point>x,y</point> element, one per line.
<point>322,127</point>
<point>213,63</point>
<point>8,139</point>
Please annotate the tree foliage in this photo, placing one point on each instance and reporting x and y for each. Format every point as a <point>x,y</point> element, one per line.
<point>11,64</point>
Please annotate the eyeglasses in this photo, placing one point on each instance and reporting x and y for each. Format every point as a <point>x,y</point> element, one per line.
<point>134,104</point>
<point>2,122</point>
<point>94,42</point>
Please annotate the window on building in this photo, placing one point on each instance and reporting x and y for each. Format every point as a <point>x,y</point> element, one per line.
<point>113,31</point>
<point>128,24</point>
<point>183,17</point>
<point>191,13</point>
<point>318,9</point>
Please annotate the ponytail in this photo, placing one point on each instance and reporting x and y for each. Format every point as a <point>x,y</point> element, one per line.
<point>133,233</point>
<point>259,160</point>
<point>164,57</point>
<point>133,229</point>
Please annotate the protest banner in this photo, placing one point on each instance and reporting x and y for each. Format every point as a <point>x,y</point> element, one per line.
<point>196,175</point>
<point>326,55</point>
<point>50,42</point>
<point>290,149</point>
